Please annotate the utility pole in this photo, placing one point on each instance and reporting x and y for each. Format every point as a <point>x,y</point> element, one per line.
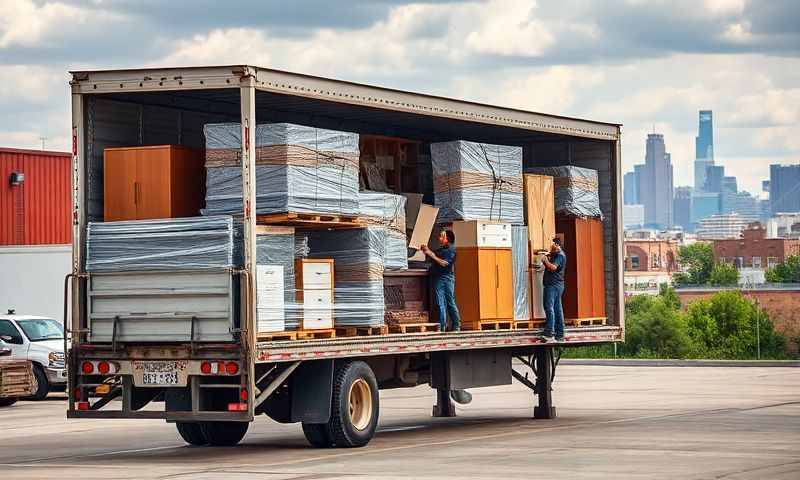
<point>758,329</point>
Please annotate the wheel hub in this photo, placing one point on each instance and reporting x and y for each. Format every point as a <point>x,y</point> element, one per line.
<point>360,403</point>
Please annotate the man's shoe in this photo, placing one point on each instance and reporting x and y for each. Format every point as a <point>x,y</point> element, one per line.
<point>548,339</point>
<point>559,339</point>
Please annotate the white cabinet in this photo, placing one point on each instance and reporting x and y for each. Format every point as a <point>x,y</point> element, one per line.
<point>315,292</point>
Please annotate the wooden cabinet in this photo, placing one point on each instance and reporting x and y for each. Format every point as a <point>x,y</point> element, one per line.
<point>584,292</point>
<point>539,211</point>
<point>484,290</point>
<point>314,281</point>
<point>164,181</point>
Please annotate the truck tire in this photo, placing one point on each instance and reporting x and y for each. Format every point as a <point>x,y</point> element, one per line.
<point>317,435</point>
<point>224,434</point>
<point>354,405</point>
<point>7,402</point>
<point>191,433</point>
<point>42,385</point>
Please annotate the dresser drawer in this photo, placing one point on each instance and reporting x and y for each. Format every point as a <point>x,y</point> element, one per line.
<point>317,319</point>
<point>317,275</point>
<point>317,298</point>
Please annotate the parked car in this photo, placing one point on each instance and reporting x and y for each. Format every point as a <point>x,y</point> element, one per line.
<point>16,377</point>
<point>39,340</point>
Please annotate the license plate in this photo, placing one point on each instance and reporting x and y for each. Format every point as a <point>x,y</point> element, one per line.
<point>160,374</point>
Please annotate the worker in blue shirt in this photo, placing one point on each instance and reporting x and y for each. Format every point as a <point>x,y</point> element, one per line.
<point>553,279</point>
<point>444,280</point>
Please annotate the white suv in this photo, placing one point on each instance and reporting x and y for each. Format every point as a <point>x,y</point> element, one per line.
<point>41,341</point>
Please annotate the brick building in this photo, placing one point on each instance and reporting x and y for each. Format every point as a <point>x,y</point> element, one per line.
<point>649,263</point>
<point>754,250</point>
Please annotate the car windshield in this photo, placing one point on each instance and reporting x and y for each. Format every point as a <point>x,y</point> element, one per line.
<point>39,329</point>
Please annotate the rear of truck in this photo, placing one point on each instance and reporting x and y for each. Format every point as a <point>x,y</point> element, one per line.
<point>180,343</point>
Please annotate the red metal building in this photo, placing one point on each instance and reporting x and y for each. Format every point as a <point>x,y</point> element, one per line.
<point>35,201</point>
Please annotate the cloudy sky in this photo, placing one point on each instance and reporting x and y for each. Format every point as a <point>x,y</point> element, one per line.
<point>648,64</point>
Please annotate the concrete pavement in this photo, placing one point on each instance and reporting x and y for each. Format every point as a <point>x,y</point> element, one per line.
<point>614,422</point>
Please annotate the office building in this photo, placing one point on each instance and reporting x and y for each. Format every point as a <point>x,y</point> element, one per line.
<point>784,188</point>
<point>754,249</point>
<point>714,176</point>
<point>784,225</point>
<point>704,148</point>
<point>630,188</point>
<point>718,227</point>
<point>682,208</point>
<point>655,183</point>
<point>633,216</point>
<point>742,203</point>
<point>704,205</point>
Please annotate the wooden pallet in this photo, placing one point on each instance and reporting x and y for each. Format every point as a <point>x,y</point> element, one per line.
<point>490,325</point>
<point>528,324</point>
<point>414,328</point>
<point>310,220</point>
<point>361,331</point>
<point>16,379</point>
<point>316,334</point>
<point>276,336</point>
<point>583,322</point>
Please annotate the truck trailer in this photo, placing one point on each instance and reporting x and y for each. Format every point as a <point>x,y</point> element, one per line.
<point>182,346</point>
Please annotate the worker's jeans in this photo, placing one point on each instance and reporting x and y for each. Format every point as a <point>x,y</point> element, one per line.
<point>444,287</point>
<point>553,311</point>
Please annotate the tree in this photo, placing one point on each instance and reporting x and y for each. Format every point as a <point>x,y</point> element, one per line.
<point>723,274</point>
<point>786,272</point>
<point>724,326</point>
<point>698,260</point>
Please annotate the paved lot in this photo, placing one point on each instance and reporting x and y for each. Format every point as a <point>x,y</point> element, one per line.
<point>614,422</point>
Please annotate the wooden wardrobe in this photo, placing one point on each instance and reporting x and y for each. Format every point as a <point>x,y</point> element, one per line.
<point>585,290</point>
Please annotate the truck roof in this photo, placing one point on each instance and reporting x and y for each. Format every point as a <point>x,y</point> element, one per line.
<point>332,90</point>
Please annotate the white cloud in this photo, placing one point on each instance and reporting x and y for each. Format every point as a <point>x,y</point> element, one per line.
<point>31,84</point>
<point>24,23</point>
<point>507,27</point>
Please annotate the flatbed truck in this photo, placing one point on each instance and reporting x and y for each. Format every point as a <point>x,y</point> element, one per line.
<point>182,346</point>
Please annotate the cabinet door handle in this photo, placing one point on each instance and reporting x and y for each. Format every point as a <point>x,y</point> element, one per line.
<point>135,193</point>
<point>497,277</point>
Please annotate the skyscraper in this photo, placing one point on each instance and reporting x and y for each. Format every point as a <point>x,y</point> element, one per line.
<point>714,176</point>
<point>784,188</point>
<point>682,208</point>
<point>631,188</point>
<point>703,148</point>
<point>655,186</point>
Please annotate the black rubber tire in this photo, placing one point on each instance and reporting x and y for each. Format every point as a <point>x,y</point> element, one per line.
<point>7,402</point>
<point>42,385</point>
<point>340,426</point>
<point>317,435</point>
<point>191,433</point>
<point>224,434</point>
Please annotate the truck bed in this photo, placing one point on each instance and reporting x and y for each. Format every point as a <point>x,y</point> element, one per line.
<point>294,350</point>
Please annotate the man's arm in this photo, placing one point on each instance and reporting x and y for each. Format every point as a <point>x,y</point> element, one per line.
<point>427,251</point>
<point>548,264</point>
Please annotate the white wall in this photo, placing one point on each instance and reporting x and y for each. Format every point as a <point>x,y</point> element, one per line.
<point>32,279</point>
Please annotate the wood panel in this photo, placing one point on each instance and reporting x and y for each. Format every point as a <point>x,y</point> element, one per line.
<point>487,283</point>
<point>153,183</point>
<point>119,167</point>
<point>584,277</point>
<point>505,287</point>
<point>188,182</point>
<point>539,211</point>
<point>467,285</point>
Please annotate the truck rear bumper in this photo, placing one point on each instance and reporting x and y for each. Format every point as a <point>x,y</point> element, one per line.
<point>168,416</point>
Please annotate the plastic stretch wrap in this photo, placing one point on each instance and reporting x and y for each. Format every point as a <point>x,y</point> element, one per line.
<point>298,169</point>
<point>521,280</point>
<point>387,210</point>
<point>277,249</point>
<point>359,258</point>
<point>576,190</point>
<point>477,181</point>
<point>164,244</point>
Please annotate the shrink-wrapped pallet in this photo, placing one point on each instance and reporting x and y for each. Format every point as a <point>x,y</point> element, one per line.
<point>194,243</point>
<point>521,280</point>
<point>477,181</point>
<point>576,190</point>
<point>359,259</point>
<point>299,169</point>
<point>387,210</point>
<point>275,248</point>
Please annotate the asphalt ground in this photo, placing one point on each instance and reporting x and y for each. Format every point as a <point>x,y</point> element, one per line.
<point>613,422</point>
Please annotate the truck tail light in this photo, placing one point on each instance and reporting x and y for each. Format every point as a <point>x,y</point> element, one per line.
<point>237,407</point>
<point>99,367</point>
<point>103,367</point>
<point>218,367</point>
<point>87,368</point>
<point>83,405</point>
<point>77,394</point>
<point>243,395</point>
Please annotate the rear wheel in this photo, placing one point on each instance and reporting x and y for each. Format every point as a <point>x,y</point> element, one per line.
<point>354,406</point>
<point>7,402</point>
<point>191,433</point>
<point>317,435</point>
<point>224,434</point>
